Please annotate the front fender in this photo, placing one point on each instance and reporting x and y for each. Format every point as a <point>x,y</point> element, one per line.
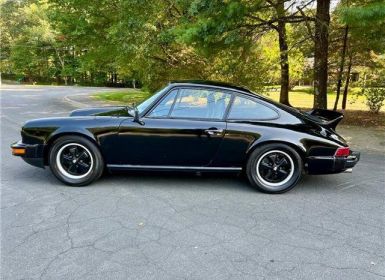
<point>70,130</point>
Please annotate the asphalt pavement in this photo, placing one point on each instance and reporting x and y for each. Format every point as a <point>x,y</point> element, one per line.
<point>169,226</point>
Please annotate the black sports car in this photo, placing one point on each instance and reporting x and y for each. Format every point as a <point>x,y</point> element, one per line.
<point>191,126</point>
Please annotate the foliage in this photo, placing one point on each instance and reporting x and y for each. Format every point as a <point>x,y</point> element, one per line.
<point>151,42</point>
<point>270,57</point>
<point>375,97</point>
<point>373,83</point>
<point>365,13</point>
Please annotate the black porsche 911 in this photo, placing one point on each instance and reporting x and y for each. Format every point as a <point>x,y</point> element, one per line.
<point>195,126</point>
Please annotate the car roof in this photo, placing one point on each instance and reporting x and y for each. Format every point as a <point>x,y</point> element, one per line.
<point>211,83</point>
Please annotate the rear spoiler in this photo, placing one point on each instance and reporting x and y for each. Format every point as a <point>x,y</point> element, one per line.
<point>326,118</point>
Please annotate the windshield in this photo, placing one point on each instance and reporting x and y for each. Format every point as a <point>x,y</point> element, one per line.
<point>142,106</point>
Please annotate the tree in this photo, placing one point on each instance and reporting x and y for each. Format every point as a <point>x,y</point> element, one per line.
<point>6,22</point>
<point>279,7</point>
<point>33,48</point>
<point>364,36</point>
<point>84,30</point>
<point>252,43</point>
<point>321,54</point>
<point>342,65</point>
<point>270,58</point>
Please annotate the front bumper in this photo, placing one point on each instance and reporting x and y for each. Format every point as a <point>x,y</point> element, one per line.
<point>30,153</point>
<point>331,164</point>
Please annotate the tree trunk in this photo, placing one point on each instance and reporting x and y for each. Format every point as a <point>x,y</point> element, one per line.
<point>62,64</point>
<point>321,53</point>
<point>283,53</point>
<point>341,68</point>
<point>345,95</point>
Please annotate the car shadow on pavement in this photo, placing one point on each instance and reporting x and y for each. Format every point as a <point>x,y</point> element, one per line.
<point>179,180</point>
<point>212,181</point>
<point>188,180</point>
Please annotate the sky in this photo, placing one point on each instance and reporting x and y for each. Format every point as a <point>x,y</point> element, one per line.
<point>333,4</point>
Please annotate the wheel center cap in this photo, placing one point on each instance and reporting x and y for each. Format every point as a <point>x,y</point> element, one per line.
<point>275,168</point>
<point>73,161</point>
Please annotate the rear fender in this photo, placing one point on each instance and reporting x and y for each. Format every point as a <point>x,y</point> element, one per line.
<point>302,144</point>
<point>301,149</point>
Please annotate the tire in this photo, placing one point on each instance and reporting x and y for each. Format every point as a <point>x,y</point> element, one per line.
<point>75,160</point>
<point>274,168</point>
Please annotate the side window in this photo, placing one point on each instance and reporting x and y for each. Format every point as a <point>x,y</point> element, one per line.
<point>163,108</point>
<point>248,109</point>
<point>200,104</point>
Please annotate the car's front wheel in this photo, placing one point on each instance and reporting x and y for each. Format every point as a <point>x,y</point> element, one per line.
<point>75,160</point>
<point>274,168</point>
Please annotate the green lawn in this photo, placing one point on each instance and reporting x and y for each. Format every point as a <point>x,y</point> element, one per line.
<point>127,96</point>
<point>300,97</point>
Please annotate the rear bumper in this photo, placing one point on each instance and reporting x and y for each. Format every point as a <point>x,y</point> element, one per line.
<point>30,153</point>
<point>331,164</point>
<point>352,159</point>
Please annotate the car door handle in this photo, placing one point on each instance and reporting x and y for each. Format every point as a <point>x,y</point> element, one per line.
<point>213,131</point>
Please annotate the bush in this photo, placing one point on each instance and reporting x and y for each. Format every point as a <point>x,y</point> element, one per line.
<point>375,97</point>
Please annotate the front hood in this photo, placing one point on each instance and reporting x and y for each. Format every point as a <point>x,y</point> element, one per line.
<point>102,111</point>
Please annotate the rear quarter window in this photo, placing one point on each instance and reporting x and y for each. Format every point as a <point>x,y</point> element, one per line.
<point>244,108</point>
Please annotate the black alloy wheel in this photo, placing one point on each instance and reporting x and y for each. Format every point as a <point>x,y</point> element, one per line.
<point>75,160</point>
<point>274,168</point>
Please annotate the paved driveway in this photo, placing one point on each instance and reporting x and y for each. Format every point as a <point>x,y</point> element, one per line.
<point>162,226</point>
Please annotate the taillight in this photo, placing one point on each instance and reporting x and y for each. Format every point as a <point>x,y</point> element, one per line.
<point>342,152</point>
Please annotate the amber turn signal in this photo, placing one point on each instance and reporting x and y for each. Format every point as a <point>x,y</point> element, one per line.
<point>18,151</point>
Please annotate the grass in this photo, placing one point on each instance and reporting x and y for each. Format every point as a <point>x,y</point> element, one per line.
<point>300,97</point>
<point>127,96</point>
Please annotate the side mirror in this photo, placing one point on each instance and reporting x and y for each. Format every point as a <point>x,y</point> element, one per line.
<point>137,117</point>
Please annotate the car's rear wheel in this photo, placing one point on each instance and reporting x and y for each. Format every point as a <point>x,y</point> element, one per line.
<point>75,160</point>
<point>274,168</point>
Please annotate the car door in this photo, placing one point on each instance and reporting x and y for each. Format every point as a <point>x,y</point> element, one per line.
<point>185,128</point>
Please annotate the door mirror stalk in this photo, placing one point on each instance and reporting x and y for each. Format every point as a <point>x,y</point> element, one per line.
<point>137,117</point>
